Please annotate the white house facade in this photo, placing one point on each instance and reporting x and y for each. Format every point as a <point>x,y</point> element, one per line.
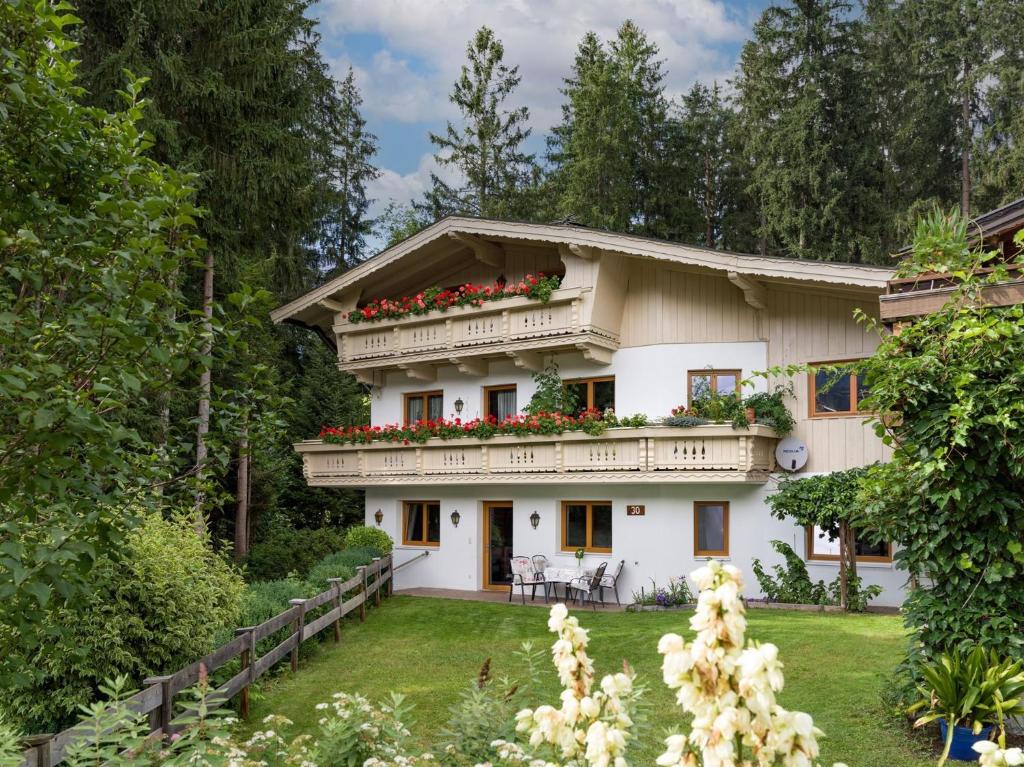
<point>631,325</point>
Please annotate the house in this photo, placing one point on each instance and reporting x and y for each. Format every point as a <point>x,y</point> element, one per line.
<point>634,325</point>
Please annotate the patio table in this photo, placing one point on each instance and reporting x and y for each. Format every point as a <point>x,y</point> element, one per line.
<point>562,575</point>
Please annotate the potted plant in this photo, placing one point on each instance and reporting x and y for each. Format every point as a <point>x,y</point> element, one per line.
<point>969,693</point>
<point>579,560</point>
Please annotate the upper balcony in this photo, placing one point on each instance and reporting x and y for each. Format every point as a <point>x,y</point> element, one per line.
<point>710,453</point>
<point>519,328</point>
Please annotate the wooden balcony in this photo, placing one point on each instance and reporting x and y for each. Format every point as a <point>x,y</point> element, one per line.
<point>917,296</point>
<point>518,328</point>
<point>711,453</point>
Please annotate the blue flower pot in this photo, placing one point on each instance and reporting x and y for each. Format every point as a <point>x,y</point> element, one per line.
<point>963,740</point>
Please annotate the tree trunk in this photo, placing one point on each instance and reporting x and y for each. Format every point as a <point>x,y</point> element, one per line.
<point>205,389</point>
<point>965,154</point>
<point>847,562</point>
<point>242,495</point>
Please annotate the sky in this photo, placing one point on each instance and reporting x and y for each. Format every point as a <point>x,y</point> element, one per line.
<point>406,54</point>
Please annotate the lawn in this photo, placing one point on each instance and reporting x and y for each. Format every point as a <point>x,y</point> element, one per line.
<point>430,649</point>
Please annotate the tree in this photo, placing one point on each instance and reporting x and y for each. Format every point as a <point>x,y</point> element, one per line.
<point>92,326</point>
<point>817,170</point>
<point>487,149</point>
<point>946,391</point>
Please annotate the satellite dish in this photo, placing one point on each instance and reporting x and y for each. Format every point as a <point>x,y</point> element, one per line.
<point>791,454</point>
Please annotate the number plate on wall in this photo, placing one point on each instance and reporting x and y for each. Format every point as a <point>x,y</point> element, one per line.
<point>635,510</point>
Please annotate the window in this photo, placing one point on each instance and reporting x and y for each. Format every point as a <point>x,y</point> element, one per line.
<point>423,406</point>
<point>711,528</point>
<point>593,393</point>
<point>832,394</point>
<point>421,523</point>
<point>823,547</point>
<point>500,401</point>
<point>703,382</point>
<point>587,525</point>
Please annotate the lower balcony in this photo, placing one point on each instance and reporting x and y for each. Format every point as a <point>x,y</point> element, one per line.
<point>711,453</point>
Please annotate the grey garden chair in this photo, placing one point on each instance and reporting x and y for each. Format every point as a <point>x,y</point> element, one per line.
<point>524,575</point>
<point>612,582</point>
<point>588,587</point>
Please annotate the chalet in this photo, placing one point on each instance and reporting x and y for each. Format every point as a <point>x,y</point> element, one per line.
<point>634,325</point>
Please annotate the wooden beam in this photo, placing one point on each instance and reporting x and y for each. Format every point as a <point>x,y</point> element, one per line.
<point>420,372</point>
<point>478,368</point>
<point>586,252</point>
<point>485,252</point>
<point>369,377</point>
<point>598,354</point>
<point>527,361</point>
<point>754,292</point>
<point>330,305</point>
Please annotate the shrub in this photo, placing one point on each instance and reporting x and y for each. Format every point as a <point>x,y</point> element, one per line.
<point>341,564</point>
<point>287,551</point>
<point>551,394</point>
<point>162,604</point>
<point>676,593</point>
<point>793,585</point>
<point>362,537</point>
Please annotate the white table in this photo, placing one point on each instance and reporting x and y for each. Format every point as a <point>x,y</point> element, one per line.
<point>564,576</point>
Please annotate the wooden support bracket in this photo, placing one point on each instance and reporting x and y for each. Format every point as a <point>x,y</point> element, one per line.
<point>484,251</point>
<point>754,292</point>
<point>478,368</point>
<point>420,372</point>
<point>527,361</point>
<point>597,354</point>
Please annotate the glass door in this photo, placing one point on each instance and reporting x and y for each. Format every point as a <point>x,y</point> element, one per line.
<point>498,549</point>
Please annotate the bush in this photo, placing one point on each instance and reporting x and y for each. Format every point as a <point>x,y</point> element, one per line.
<point>341,564</point>
<point>162,604</point>
<point>287,551</point>
<point>362,537</point>
<point>792,584</point>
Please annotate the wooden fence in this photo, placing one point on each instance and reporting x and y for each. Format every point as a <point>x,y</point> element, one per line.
<point>157,698</point>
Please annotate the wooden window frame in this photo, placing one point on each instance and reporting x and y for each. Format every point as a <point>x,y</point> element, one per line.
<point>697,506</point>
<point>499,387</point>
<point>812,391</point>
<point>812,557</point>
<point>590,549</point>
<point>713,373</point>
<point>405,526</point>
<point>425,396</point>
<point>590,387</point>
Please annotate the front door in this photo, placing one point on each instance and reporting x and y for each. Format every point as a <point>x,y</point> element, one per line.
<point>498,550</point>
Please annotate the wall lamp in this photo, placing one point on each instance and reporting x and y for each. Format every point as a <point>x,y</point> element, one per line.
<point>459,404</point>
<point>379,516</point>
<point>535,520</point>
<point>456,517</point>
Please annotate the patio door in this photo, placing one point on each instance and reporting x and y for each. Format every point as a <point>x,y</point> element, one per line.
<point>498,548</point>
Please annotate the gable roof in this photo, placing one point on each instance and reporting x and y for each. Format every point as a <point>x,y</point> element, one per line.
<point>872,278</point>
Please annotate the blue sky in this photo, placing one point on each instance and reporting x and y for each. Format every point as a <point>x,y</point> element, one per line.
<point>406,54</point>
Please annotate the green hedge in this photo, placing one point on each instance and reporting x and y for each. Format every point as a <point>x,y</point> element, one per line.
<point>286,551</point>
<point>369,537</point>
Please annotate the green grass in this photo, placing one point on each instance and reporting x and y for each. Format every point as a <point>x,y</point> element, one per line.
<point>429,649</point>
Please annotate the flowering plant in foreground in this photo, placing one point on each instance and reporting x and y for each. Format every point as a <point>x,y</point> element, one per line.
<point>538,287</point>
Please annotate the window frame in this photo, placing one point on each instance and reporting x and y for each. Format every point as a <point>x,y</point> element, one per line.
<point>713,373</point>
<point>496,388</point>
<point>697,552</point>
<point>590,387</point>
<point>810,556</point>
<point>425,397</point>
<point>812,391</point>
<point>425,524</point>
<point>589,548</point>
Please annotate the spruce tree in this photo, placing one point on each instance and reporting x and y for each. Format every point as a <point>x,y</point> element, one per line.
<point>487,149</point>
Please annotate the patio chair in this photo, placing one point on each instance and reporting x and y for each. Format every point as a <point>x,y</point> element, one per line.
<point>589,586</point>
<point>524,575</point>
<point>540,564</point>
<point>612,582</point>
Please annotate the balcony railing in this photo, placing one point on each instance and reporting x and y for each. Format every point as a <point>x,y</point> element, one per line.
<point>498,328</point>
<point>711,453</point>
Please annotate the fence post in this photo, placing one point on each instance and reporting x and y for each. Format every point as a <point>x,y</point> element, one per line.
<point>299,625</point>
<point>362,605</point>
<point>166,710</point>
<point>336,585</point>
<point>376,591</point>
<point>391,575</point>
<point>42,745</point>
<point>248,659</point>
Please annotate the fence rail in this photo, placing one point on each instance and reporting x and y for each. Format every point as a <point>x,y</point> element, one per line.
<point>157,698</point>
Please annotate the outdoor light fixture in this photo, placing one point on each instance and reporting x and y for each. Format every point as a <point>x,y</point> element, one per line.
<point>459,404</point>
<point>456,517</point>
<point>379,516</point>
<point>535,520</point>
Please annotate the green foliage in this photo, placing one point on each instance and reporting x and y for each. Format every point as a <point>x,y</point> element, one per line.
<point>819,501</point>
<point>159,606</point>
<point>970,688</point>
<point>947,394</point>
<point>677,592</point>
<point>342,564</point>
<point>551,395</point>
<point>770,408</point>
<point>792,584</point>
<point>716,407</point>
<point>360,536</point>
<point>92,233</point>
<point>286,550</point>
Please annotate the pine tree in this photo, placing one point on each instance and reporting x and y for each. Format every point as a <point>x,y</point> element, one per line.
<point>487,149</point>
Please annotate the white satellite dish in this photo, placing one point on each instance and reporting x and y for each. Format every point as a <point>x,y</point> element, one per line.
<point>791,454</point>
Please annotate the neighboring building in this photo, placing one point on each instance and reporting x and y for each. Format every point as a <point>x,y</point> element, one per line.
<point>633,323</point>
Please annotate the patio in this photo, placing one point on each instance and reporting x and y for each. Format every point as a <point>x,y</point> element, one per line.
<point>499,597</point>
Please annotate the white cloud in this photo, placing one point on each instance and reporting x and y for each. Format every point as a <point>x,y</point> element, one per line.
<point>426,39</point>
<point>392,186</point>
